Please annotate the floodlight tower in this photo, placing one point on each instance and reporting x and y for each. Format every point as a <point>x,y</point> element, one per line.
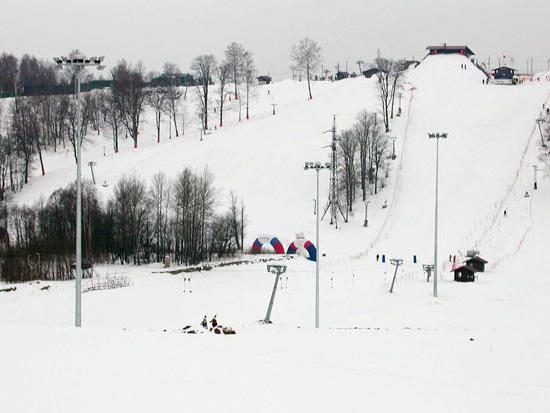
<point>317,166</point>
<point>78,63</point>
<point>436,136</point>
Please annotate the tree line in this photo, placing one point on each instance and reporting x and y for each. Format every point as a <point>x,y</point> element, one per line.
<point>363,153</point>
<point>141,223</point>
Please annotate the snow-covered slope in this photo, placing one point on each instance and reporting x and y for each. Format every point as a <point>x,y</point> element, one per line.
<point>480,346</point>
<point>262,158</point>
<point>488,129</point>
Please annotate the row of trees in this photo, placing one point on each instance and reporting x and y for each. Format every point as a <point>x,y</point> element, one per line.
<point>28,71</point>
<point>30,125</point>
<point>140,224</point>
<point>235,75</point>
<point>391,75</point>
<point>362,153</point>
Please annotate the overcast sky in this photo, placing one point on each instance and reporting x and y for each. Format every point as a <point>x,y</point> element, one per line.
<point>156,31</point>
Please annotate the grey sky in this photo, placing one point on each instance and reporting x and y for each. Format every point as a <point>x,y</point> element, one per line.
<point>177,30</point>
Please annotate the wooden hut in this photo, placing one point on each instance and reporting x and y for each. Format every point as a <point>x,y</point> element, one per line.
<point>504,75</point>
<point>465,273</point>
<point>370,72</point>
<point>264,80</point>
<point>477,263</point>
<point>341,75</point>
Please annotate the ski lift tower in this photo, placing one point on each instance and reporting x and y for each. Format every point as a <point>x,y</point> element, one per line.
<point>334,195</point>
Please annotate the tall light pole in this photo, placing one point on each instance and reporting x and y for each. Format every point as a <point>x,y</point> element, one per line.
<point>436,136</point>
<point>317,166</point>
<point>393,138</point>
<point>366,223</point>
<point>78,63</point>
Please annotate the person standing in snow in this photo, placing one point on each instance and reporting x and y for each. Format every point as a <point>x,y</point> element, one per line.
<point>204,322</point>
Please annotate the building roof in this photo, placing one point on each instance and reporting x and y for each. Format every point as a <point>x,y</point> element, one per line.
<point>453,48</point>
<point>476,258</point>
<point>503,67</point>
<point>465,267</point>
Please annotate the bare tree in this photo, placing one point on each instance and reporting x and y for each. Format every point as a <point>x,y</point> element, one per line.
<point>379,145</point>
<point>173,92</point>
<point>385,69</point>
<point>347,147</point>
<point>204,66</point>
<point>306,58</point>
<point>9,69</point>
<point>113,116</point>
<point>397,75</point>
<point>234,56</point>
<point>249,78</point>
<point>160,199</point>
<point>129,93</point>
<point>156,98</point>
<point>363,131</point>
<point>223,72</point>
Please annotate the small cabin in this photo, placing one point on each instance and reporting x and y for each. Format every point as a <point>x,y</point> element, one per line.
<point>341,75</point>
<point>477,263</point>
<point>444,49</point>
<point>264,80</point>
<point>407,64</point>
<point>504,75</point>
<point>465,273</point>
<point>503,72</point>
<point>370,72</point>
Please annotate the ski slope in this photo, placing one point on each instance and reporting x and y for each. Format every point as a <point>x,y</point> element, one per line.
<point>488,126</point>
<point>482,346</point>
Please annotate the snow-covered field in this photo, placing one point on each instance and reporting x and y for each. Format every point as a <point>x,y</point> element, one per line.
<point>483,346</point>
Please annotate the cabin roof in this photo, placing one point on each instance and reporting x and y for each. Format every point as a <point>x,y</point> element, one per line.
<point>445,47</point>
<point>503,67</point>
<point>476,258</point>
<point>465,267</point>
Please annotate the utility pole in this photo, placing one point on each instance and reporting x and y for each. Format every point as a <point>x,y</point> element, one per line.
<point>399,110</point>
<point>78,63</point>
<point>366,223</point>
<point>334,199</point>
<point>436,136</point>
<point>360,64</point>
<point>535,169</point>
<point>278,270</point>
<point>91,164</point>
<point>317,166</point>
<point>397,262</point>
